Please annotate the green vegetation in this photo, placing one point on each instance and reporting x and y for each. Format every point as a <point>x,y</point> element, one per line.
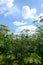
<point>22,49</point>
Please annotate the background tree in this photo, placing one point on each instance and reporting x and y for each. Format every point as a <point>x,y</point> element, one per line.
<point>22,49</point>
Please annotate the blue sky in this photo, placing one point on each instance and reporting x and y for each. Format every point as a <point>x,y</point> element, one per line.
<point>19,14</point>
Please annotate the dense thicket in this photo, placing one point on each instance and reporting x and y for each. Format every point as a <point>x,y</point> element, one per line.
<point>22,49</point>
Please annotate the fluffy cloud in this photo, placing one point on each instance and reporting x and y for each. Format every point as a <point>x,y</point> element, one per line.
<point>28,13</point>
<point>41,14</point>
<point>17,23</point>
<point>42,4</point>
<point>31,29</point>
<point>7,7</point>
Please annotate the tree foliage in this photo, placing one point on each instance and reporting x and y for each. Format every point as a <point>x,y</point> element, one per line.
<point>22,49</point>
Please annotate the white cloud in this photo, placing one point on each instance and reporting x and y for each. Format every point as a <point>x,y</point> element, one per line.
<point>41,14</point>
<point>42,4</point>
<point>5,5</point>
<point>17,23</point>
<point>28,13</point>
<point>8,7</point>
<point>31,28</point>
<point>13,11</point>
